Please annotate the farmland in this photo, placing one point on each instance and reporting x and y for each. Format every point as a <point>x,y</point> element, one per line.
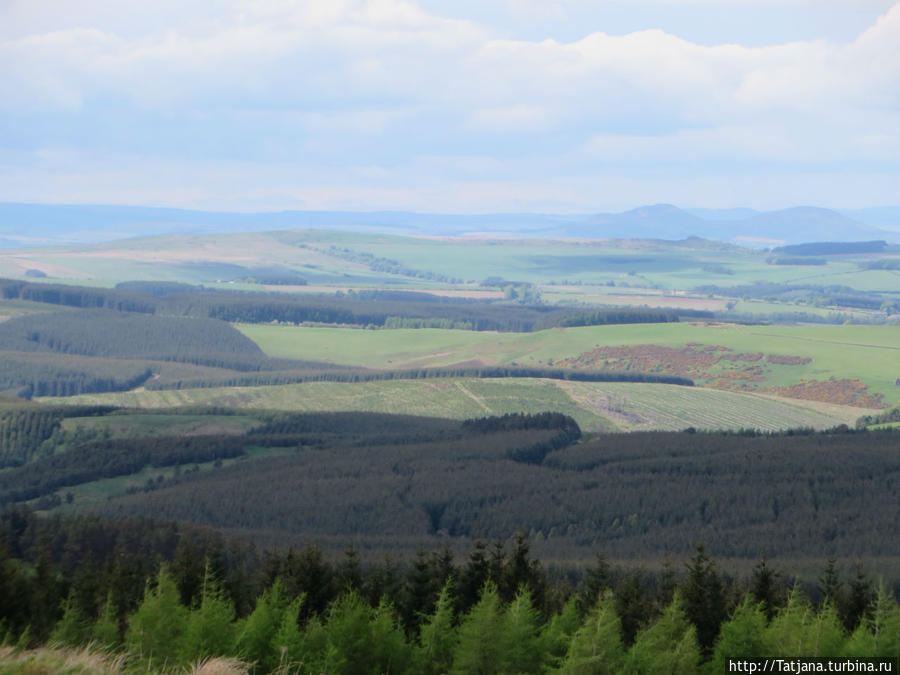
<point>660,273</point>
<point>867,353</point>
<point>607,406</point>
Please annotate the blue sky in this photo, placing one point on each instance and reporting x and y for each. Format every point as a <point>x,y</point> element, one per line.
<point>465,106</point>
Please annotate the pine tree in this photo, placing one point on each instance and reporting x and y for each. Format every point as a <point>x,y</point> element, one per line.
<point>597,579</point>
<point>830,584</point>
<point>558,632</point>
<point>521,649</point>
<point>106,629</point>
<point>522,570</point>
<point>348,576</point>
<point>742,635</point>
<point>254,640</point>
<point>704,599</point>
<point>308,573</point>
<point>155,629</point>
<point>597,646</point>
<point>288,643</point>
<point>633,606</point>
<point>210,627</point>
<point>668,646</point>
<point>880,634</point>
<point>44,609</point>
<point>478,650</point>
<point>72,629</point>
<point>797,631</point>
<point>419,592</point>
<point>437,635</point>
<point>763,588</point>
<point>391,652</point>
<point>351,647</point>
<point>473,578</point>
<point>858,600</point>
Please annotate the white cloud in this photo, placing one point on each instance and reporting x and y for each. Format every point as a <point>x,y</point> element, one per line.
<point>384,83</point>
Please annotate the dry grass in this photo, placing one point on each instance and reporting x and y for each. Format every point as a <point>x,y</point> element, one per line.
<point>219,666</point>
<point>93,660</point>
<point>89,660</point>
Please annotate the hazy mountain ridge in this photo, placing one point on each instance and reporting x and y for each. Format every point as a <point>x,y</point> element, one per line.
<point>43,224</point>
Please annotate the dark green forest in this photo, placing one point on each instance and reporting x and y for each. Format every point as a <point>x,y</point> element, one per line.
<point>403,482</point>
<point>348,542</point>
<point>352,543</point>
<point>167,595</point>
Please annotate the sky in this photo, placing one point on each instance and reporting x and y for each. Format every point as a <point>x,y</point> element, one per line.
<point>462,106</point>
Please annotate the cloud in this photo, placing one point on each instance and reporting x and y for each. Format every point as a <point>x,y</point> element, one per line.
<point>309,86</point>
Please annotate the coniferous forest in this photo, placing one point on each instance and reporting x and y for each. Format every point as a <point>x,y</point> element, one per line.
<point>166,596</point>
<point>366,542</point>
<point>353,543</point>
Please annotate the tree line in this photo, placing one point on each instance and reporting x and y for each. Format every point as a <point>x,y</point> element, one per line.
<point>169,594</point>
<point>376,309</point>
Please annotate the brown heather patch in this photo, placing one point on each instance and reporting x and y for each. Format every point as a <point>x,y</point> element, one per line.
<point>843,392</point>
<point>788,360</point>
<point>721,368</point>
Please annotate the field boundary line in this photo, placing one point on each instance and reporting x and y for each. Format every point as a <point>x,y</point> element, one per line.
<point>833,342</point>
<point>475,398</point>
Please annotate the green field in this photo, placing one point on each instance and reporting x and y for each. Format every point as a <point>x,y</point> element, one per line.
<point>574,271</point>
<point>131,425</point>
<point>596,406</point>
<point>869,353</point>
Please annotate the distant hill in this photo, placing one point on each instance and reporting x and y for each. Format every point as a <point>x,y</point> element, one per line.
<point>808,223</point>
<point>884,217</point>
<point>43,224</point>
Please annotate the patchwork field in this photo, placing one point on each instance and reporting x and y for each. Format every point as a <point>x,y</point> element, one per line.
<point>596,406</point>
<point>790,355</point>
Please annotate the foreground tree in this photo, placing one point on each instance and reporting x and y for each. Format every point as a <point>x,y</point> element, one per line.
<point>155,629</point>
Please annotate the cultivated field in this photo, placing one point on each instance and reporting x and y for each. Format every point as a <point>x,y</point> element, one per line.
<point>596,406</point>
<point>870,354</point>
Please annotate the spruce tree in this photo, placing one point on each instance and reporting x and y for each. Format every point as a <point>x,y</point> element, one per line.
<point>597,578</point>
<point>704,598</point>
<point>764,588</point>
<point>857,601</point>
<point>830,584</point>
<point>633,606</point>
<point>473,578</point>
